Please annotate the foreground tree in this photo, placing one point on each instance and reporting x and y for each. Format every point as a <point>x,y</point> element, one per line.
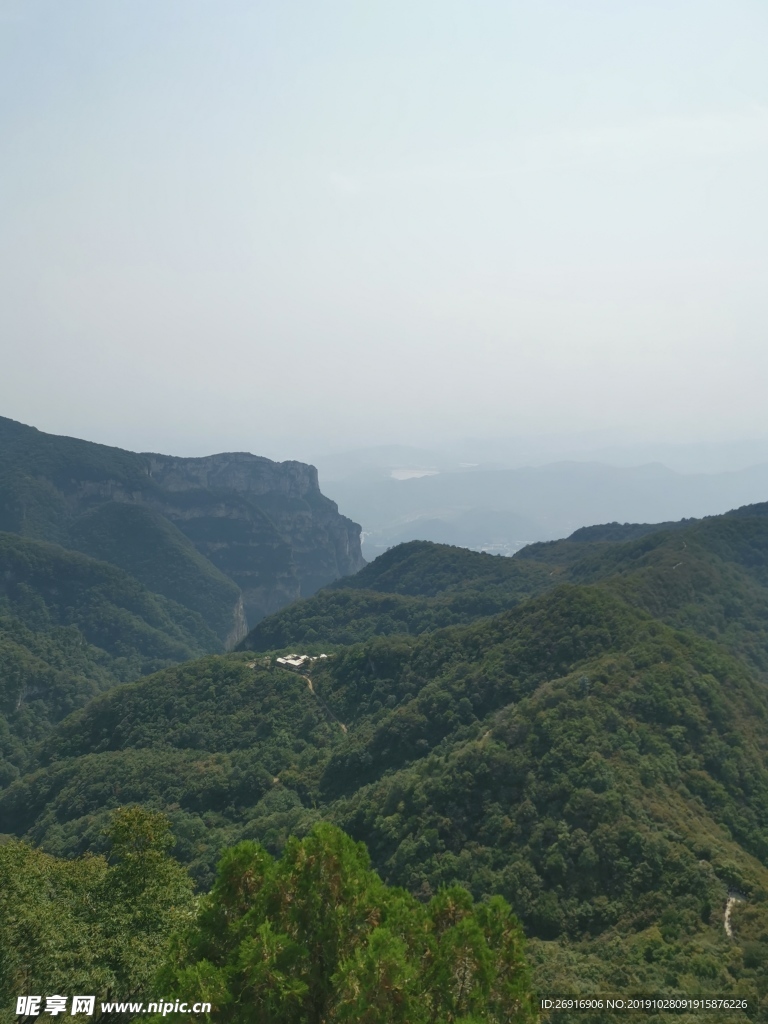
<point>92,925</point>
<point>316,937</point>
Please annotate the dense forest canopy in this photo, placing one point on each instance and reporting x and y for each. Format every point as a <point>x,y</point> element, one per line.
<point>95,925</point>
<point>312,937</point>
<point>584,737</point>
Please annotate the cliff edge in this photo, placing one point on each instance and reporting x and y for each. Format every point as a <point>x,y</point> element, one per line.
<point>233,536</point>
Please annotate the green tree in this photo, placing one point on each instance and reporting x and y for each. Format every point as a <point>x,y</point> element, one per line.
<point>145,895</point>
<point>90,925</point>
<point>317,937</point>
<point>49,925</point>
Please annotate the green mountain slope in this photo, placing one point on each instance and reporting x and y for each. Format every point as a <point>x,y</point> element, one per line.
<point>39,471</point>
<point>423,569</point>
<point>202,740</point>
<point>588,540</point>
<point>70,627</point>
<point>585,736</point>
<point>604,772</point>
<point>44,585</point>
<point>710,576</point>
<point>44,676</point>
<point>348,616</point>
<point>154,551</point>
<point>83,496</point>
<point>413,588</point>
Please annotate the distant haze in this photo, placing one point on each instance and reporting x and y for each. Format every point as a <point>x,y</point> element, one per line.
<point>296,227</point>
<point>534,491</point>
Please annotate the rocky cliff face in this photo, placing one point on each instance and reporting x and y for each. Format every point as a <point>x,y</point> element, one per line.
<point>263,524</point>
<point>239,626</point>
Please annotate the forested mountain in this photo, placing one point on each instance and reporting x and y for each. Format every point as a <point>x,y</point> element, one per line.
<point>114,564</point>
<point>232,536</point>
<point>603,771</point>
<point>587,737</point>
<point>710,575</point>
<point>412,588</point>
<point>150,548</point>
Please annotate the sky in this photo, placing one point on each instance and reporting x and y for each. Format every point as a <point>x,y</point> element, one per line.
<point>296,225</point>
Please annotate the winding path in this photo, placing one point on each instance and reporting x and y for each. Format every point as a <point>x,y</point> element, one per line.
<point>325,706</point>
<point>732,900</point>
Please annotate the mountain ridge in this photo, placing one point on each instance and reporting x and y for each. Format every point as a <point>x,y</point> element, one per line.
<point>264,525</point>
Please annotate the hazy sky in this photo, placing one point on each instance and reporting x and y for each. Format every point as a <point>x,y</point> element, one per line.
<point>258,225</point>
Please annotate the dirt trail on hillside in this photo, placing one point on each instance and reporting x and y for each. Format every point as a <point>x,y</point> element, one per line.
<point>732,900</point>
<point>325,706</point>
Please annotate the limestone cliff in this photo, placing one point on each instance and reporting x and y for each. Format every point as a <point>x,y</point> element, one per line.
<point>263,525</point>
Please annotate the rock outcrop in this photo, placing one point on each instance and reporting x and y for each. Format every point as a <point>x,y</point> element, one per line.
<point>264,525</point>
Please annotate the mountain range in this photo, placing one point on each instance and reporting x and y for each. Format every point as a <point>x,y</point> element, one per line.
<point>582,729</point>
<point>402,494</point>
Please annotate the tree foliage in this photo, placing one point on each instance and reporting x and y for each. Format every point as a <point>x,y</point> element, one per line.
<point>316,937</point>
<point>92,925</point>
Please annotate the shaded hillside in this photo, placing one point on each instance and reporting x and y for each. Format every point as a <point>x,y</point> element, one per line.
<point>710,576</point>
<point>265,525</point>
<point>423,569</point>
<point>154,551</point>
<point>412,588</point>
<point>44,586</point>
<point>604,772</point>
<point>71,626</point>
<point>44,675</point>
<point>347,616</point>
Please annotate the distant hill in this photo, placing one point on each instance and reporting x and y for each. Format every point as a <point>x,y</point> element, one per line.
<point>412,588</point>
<point>501,509</point>
<point>263,526</point>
